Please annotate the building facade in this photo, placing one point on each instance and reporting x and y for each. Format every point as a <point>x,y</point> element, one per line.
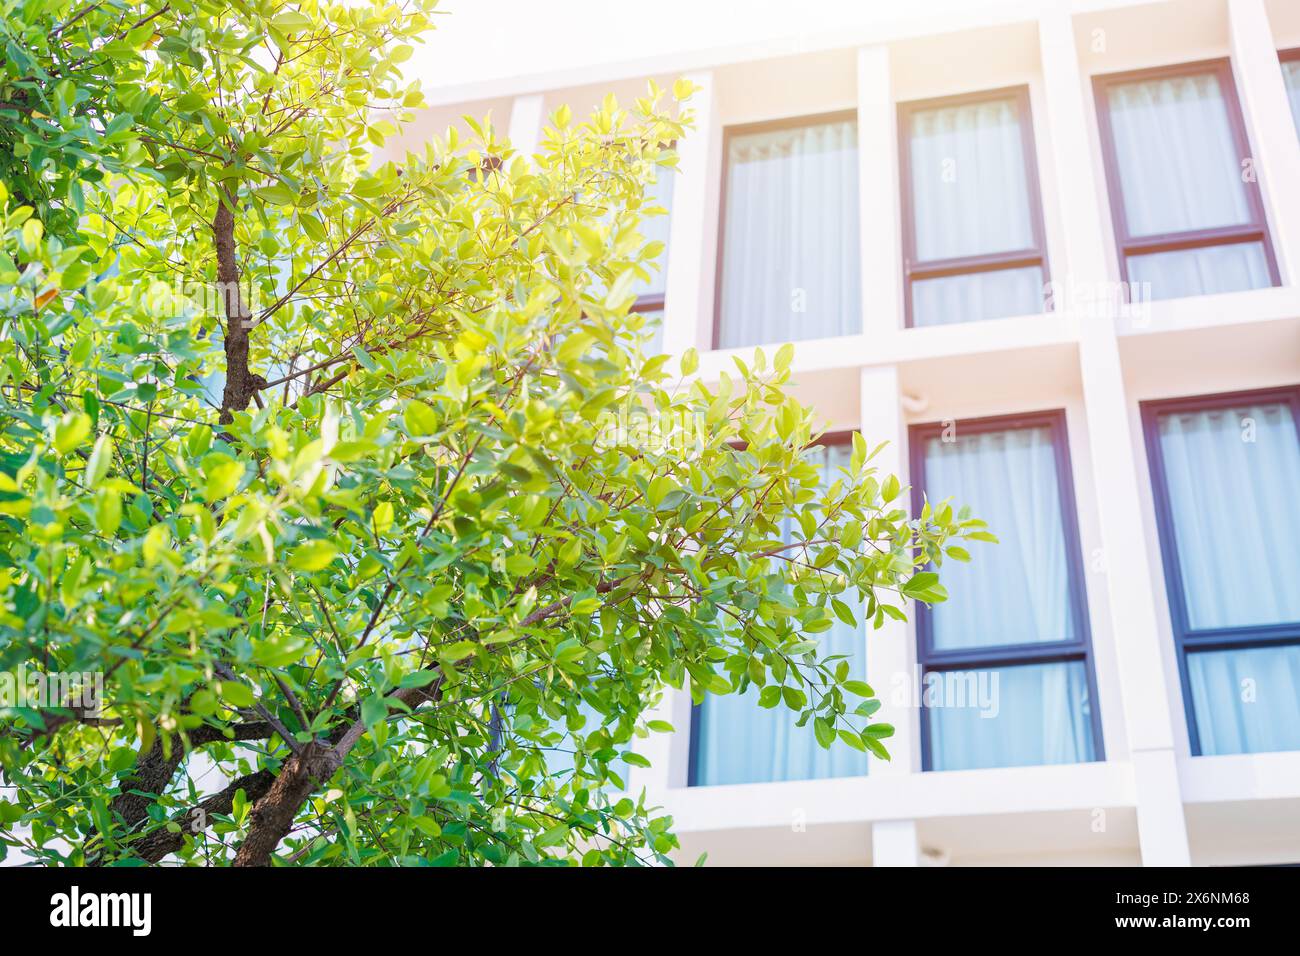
<point>1050,252</point>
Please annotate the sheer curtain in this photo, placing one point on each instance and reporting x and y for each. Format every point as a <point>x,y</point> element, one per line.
<point>1014,592</point>
<point>1040,714</point>
<point>1232,476</point>
<point>1291,74</point>
<point>973,296</point>
<point>969,189</point>
<point>1246,701</point>
<point>1179,171</point>
<point>739,742</point>
<point>970,196</point>
<point>1178,164</point>
<point>655,229</point>
<point>1205,271</point>
<point>1017,591</point>
<point>790,247</point>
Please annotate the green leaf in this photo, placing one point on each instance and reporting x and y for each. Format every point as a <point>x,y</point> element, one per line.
<point>876,747</point>
<point>421,420</point>
<point>236,694</point>
<point>291,21</point>
<point>824,732</point>
<point>313,555</point>
<point>373,710</point>
<point>100,461</point>
<point>71,431</point>
<point>223,475</point>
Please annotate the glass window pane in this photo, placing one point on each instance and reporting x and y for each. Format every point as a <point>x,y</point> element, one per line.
<point>970,191</point>
<point>655,229</point>
<point>654,327</point>
<point>1009,716</point>
<point>977,295</point>
<point>1204,271</point>
<point>1232,476</point>
<point>739,742</point>
<point>1178,165</point>
<point>1017,591</point>
<point>790,247</point>
<point>1291,73</point>
<point>1246,701</point>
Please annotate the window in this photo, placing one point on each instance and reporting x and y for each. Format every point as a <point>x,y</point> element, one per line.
<point>734,740</point>
<point>1225,471</point>
<point>972,222</point>
<point>650,293</point>
<point>1291,75</point>
<point>650,290</point>
<point>1006,673</point>
<point>788,236</point>
<point>1187,210</point>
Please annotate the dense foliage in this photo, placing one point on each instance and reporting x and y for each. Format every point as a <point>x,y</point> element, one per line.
<point>354,483</point>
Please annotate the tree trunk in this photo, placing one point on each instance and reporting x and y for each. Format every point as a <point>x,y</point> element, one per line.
<point>162,842</point>
<point>241,384</point>
<point>273,815</point>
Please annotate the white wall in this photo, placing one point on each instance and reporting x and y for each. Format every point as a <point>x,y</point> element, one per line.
<point>1149,801</point>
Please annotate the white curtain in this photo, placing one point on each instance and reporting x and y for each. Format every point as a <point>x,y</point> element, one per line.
<point>1017,591</point>
<point>1040,714</point>
<point>790,250</point>
<point>655,229</point>
<point>1246,701</point>
<point>1204,271</point>
<point>969,189</point>
<point>655,328</point>
<point>1233,476</point>
<point>1291,74</point>
<point>1178,164</point>
<point>973,296</point>
<point>739,742</point>
<point>970,196</point>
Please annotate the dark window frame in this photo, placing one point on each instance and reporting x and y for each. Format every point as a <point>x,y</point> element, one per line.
<point>913,268</point>
<point>1009,655</point>
<point>745,129</point>
<point>1186,639</point>
<point>835,438</point>
<point>1126,244</point>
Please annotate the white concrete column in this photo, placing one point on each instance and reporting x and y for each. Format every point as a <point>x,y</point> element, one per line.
<point>880,230</point>
<point>1066,122</point>
<point>667,753</point>
<point>693,230</point>
<point>891,650</point>
<point>1162,829</point>
<point>893,843</point>
<point>526,119</point>
<point>1273,140</point>
<point>1130,576</point>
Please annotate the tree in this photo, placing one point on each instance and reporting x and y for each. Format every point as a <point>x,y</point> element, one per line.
<point>407,508</point>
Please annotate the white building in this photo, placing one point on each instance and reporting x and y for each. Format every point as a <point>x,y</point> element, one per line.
<point>903,183</point>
